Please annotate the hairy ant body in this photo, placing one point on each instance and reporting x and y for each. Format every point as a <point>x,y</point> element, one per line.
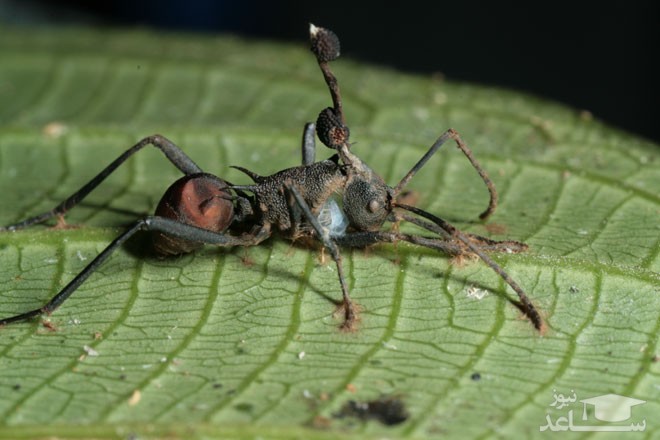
<point>296,203</point>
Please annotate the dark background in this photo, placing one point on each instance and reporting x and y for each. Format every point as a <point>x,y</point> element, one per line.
<point>596,56</point>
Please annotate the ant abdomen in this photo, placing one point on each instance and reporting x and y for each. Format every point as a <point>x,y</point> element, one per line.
<point>201,200</point>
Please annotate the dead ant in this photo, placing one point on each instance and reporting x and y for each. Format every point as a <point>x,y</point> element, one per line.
<point>297,203</point>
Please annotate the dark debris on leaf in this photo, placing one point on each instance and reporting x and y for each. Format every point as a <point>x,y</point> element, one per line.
<point>387,410</point>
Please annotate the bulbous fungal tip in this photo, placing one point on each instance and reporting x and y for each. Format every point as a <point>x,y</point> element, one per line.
<point>325,43</point>
<point>330,130</point>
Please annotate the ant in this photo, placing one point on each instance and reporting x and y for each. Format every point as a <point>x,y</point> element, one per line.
<point>297,203</point>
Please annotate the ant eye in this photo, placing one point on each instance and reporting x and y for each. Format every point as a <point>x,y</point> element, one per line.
<point>374,205</point>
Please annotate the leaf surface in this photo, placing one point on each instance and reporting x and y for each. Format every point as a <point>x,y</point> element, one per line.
<point>240,343</point>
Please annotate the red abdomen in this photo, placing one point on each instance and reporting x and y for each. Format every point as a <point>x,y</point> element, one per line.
<point>201,200</point>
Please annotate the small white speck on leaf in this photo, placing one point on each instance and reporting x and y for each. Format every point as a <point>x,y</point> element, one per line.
<point>54,129</point>
<point>135,398</point>
<point>421,114</point>
<point>389,346</point>
<point>90,351</point>
<point>476,293</point>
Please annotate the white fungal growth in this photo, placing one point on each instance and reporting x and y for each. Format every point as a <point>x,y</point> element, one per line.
<point>332,219</point>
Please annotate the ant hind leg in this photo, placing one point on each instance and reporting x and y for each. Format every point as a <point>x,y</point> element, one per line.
<point>155,224</point>
<point>173,153</point>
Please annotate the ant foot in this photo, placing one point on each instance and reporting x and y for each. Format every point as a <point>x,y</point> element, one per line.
<point>351,318</point>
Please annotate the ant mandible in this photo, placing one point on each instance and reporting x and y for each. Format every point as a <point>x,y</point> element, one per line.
<point>297,203</point>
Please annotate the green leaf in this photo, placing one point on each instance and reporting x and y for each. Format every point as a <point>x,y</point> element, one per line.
<point>241,343</point>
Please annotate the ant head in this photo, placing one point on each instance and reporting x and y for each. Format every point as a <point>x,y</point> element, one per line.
<point>367,200</point>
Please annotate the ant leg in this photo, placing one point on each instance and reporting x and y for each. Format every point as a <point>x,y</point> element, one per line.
<point>441,226</point>
<point>309,144</point>
<point>448,246</point>
<point>453,134</point>
<point>171,151</point>
<point>154,224</point>
<point>484,243</point>
<point>362,239</point>
<point>331,245</point>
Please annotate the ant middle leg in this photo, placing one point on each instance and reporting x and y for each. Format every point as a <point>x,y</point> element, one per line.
<point>173,153</point>
<point>350,311</point>
<point>457,245</point>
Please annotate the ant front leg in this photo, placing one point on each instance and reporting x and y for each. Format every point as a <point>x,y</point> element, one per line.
<point>445,245</point>
<point>443,227</point>
<point>163,225</point>
<point>329,243</point>
<point>447,135</point>
<point>484,243</point>
<point>173,153</point>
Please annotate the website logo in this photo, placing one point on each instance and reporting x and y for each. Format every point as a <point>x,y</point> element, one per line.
<point>609,412</point>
